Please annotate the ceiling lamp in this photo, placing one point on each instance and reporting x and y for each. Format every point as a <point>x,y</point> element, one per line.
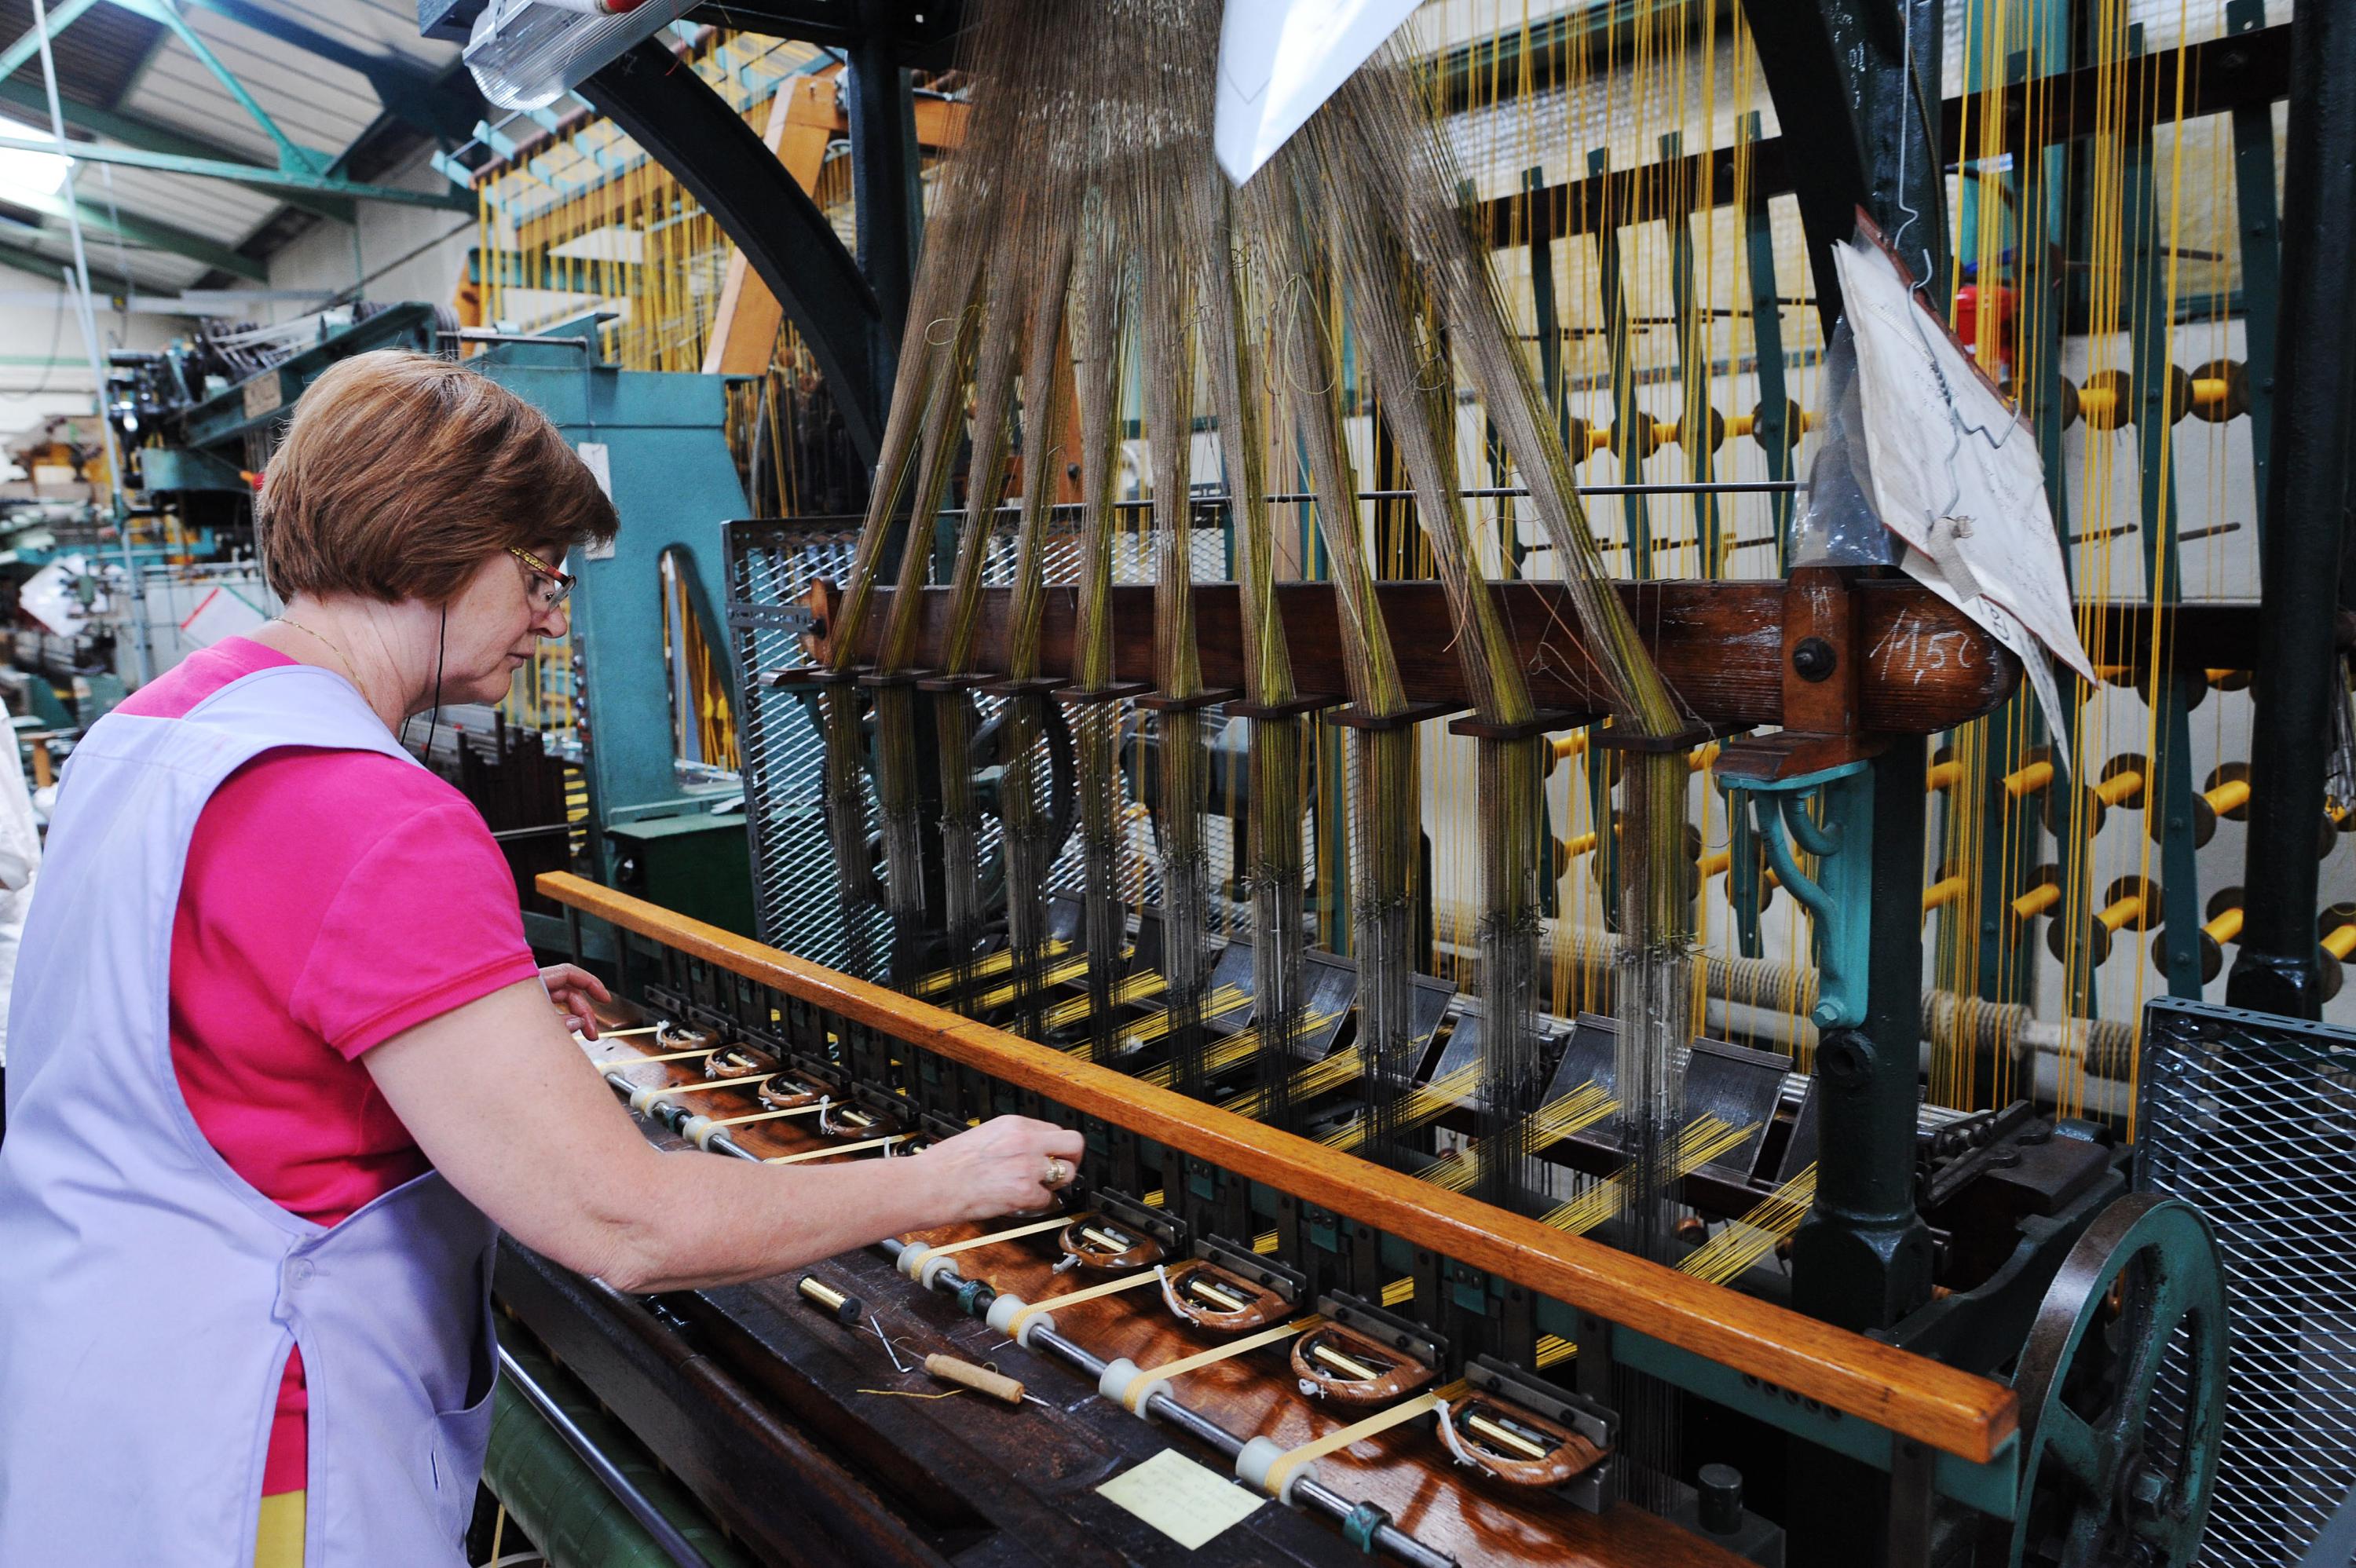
<point>527,54</point>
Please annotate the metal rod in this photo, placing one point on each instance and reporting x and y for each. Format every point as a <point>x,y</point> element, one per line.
<point>2299,677</point>
<point>1474,493</point>
<point>1164,1407</point>
<point>666,1535</point>
<point>78,288</point>
<point>469,335</point>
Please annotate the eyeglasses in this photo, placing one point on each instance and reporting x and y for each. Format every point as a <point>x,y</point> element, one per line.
<point>550,587</point>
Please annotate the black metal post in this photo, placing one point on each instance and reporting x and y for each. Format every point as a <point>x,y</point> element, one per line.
<point>2276,969</point>
<point>886,191</point>
<point>1863,1258</point>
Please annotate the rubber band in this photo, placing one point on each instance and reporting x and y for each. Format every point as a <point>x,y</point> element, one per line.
<point>1147,1376</point>
<point>671,1056</point>
<point>969,1245</point>
<point>763,1115</point>
<point>706,1085</point>
<point>1280,1469</point>
<point>839,1148</point>
<point>1109,1287</point>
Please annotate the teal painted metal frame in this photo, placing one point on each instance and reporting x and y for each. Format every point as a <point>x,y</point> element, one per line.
<point>1839,897</point>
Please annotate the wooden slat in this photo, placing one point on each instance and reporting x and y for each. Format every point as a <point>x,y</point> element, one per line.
<point>1951,1410</point>
<point>1719,645</point>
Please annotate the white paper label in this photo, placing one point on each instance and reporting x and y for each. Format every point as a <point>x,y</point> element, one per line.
<point>593,455</point>
<point>1957,475</point>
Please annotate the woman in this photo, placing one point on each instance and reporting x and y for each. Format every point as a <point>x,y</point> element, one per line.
<point>283,1065</point>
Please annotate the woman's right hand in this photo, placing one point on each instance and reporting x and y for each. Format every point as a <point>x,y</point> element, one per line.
<point>1001,1167</point>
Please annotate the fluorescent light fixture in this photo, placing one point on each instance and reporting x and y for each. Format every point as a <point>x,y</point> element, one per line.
<point>526,54</point>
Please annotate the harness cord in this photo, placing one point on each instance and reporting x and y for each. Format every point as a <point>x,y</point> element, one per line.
<point>441,652</point>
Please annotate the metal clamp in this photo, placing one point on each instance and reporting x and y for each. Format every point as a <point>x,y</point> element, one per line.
<point>1839,897</point>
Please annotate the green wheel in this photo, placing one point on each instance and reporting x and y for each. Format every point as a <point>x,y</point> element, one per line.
<point>2110,1475</point>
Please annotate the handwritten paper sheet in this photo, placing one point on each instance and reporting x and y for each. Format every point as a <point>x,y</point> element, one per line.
<point>1181,1499</point>
<point>1956,475</point>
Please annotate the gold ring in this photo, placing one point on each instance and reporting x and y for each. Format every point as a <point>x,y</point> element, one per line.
<point>1059,1171</point>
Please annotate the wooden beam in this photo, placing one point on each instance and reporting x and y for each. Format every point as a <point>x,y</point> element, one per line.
<point>1719,645</point>
<point>1952,1411</point>
<point>802,113</point>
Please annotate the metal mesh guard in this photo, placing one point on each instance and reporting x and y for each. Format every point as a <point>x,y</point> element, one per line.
<point>2251,1117</point>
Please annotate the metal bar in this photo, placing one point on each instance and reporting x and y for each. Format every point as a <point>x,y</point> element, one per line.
<point>2299,675</point>
<point>2061,107</point>
<point>168,12</point>
<point>277,181</point>
<point>1623,385</point>
<point>1767,345</point>
<point>150,137</point>
<point>649,1519</point>
<point>1693,360</point>
<point>30,44</point>
<point>1165,1407</point>
<point>2169,796</point>
<point>33,262</point>
<point>2253,200</point>
<point>145,232</point>
<point>883,189</point>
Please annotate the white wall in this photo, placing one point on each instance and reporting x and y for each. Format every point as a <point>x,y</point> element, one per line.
<point>335,256</point>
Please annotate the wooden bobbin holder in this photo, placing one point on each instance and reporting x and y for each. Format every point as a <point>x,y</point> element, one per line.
<point>1203,1293</point>
<point>789,1092</point>
<point>1104,1247</point>
<point>672,1036</point>
<point>739,1061</point>
<point>1518,1446</point>
<point>1345,1365</point>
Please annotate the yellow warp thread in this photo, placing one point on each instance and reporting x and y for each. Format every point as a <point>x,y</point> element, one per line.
<point>839,1148</point>
<point>673,1056</point>
<point>1149,1376</point>
<point>1279,1472</point>
<point>1032,1229</point>
<point>769,1115</point>
<point>1109,1287</point>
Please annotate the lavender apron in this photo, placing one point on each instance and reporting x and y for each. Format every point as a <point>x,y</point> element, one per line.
<point>148,1295</point>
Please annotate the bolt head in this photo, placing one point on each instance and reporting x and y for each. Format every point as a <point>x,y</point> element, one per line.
<point>1814,659</point>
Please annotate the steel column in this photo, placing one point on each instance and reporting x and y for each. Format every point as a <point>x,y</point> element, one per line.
<point>2298,674</point>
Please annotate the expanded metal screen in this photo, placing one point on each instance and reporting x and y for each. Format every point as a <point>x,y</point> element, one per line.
<point>771,565</point>
<point>2253,1119</point>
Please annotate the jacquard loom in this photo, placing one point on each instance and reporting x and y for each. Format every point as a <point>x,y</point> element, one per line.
<point>1221,539</point>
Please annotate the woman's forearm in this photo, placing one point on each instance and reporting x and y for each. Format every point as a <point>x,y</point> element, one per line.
<point>722,1222</point>
<point>555,1161</point>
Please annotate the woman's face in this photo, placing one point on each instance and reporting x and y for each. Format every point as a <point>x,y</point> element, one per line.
<point>494,620</point>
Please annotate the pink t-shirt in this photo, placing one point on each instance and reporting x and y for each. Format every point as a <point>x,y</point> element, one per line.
<point>331,901</point>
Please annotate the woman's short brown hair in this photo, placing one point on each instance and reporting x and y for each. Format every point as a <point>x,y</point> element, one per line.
<point>400,473</point>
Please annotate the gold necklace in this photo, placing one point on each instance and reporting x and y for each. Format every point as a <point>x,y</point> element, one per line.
<point>341,658</point>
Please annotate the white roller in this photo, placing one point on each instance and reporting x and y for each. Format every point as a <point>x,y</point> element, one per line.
<point>1122,1377</point>
<point>1259,1457</point>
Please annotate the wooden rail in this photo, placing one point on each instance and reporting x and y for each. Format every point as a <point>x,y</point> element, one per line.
<point>1952,1411</point>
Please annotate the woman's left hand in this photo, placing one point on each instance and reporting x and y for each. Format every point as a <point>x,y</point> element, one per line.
<point>573,990</point>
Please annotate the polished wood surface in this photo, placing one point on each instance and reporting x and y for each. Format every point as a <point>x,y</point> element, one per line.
<point>1949,1410</point>
<point>1719,645</point>
<point>1031,1468</point>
